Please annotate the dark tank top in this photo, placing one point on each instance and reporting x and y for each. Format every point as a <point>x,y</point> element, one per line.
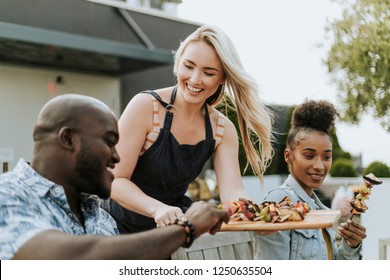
<point>164,171</point>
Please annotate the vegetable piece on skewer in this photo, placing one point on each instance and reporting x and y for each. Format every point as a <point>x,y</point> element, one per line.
<point>268,211</point>
<point>363,192</point>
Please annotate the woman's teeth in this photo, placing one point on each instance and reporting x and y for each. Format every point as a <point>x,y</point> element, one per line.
<point>193,89</point>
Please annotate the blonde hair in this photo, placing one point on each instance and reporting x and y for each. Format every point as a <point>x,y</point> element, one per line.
<point>242,89</point>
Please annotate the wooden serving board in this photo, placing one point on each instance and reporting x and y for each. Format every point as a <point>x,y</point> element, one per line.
<point>313,219</point>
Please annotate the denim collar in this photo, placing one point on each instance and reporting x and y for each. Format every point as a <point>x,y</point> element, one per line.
<point>313,201</point>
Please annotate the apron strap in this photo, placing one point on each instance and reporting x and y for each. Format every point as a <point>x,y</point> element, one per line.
<point>171,109</point>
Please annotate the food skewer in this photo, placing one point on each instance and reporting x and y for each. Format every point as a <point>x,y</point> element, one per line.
<point>267,211</point>
<point>363,192</point>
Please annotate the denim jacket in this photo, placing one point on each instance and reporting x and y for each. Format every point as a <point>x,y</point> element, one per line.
<point>299,244</point>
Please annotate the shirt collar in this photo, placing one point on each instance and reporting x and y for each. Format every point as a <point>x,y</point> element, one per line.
<point>42,185</point>
<point>29,177</point>
<point>313,201</point>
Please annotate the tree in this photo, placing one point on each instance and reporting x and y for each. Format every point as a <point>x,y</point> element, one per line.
<point>343,167</point>
<point>281,127</point>
<point>359,60</point>
<point>378,168</point>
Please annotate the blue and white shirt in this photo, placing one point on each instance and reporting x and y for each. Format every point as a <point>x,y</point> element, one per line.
<point>30,204</point>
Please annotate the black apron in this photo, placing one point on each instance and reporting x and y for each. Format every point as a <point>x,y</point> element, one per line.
<point>164,172</point>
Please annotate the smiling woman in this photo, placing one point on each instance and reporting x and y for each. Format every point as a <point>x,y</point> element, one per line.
<point>309,158</point>
<point>168,134</point>
<point>309,145</point>
<point>261,29</point>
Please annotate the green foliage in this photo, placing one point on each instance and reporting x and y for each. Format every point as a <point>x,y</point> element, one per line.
<point>343,167</point>
<point>359,60</point>
<point>378,168</point>
<point>282,124</point>
<point>227,108</point>
<point>282,119</point>
<point>337,151</point>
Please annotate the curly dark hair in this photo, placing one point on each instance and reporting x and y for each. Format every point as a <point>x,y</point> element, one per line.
<point>318,115</point>
<point>312,115</point>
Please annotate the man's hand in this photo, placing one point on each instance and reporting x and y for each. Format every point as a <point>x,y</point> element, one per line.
<point>205,217</point>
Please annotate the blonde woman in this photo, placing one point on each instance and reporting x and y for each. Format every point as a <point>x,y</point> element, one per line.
<point>168,134</point>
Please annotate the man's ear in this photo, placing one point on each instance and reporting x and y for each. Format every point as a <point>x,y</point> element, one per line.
<point>288,156</point>
<point>66,138</point>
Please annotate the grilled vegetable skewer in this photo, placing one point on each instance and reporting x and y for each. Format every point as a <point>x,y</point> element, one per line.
<point>268,211</point>
<point>363,192</point>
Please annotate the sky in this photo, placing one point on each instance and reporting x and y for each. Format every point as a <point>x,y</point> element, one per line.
<point>278,42</point>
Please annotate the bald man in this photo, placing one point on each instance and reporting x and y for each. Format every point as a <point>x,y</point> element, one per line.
<point>49,208</point>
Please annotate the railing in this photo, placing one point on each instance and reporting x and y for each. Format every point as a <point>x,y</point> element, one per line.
<point>221,246</point>
<point>383,245</point>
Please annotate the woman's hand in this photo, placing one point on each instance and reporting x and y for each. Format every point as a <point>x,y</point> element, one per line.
<point>352,232</point>
<point>167,214</point>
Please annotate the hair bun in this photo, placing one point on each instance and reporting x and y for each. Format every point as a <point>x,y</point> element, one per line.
<point>318,115</point>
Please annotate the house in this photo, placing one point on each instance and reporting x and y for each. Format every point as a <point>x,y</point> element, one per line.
<point>106,49</point>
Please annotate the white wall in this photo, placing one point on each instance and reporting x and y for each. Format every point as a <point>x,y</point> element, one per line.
<point>23,92</point>
<point>256,190</point>
<point>375,219</point>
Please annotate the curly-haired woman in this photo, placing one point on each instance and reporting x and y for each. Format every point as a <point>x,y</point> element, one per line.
<point>309,158</point>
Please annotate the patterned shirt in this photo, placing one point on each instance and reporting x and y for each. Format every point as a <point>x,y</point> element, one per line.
<point>30,204</point>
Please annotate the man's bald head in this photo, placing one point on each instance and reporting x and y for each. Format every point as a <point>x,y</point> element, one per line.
<point>67,110</point>
<point>75,138</point>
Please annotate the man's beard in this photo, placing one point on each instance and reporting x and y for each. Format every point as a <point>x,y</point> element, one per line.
<point>90,172</point>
